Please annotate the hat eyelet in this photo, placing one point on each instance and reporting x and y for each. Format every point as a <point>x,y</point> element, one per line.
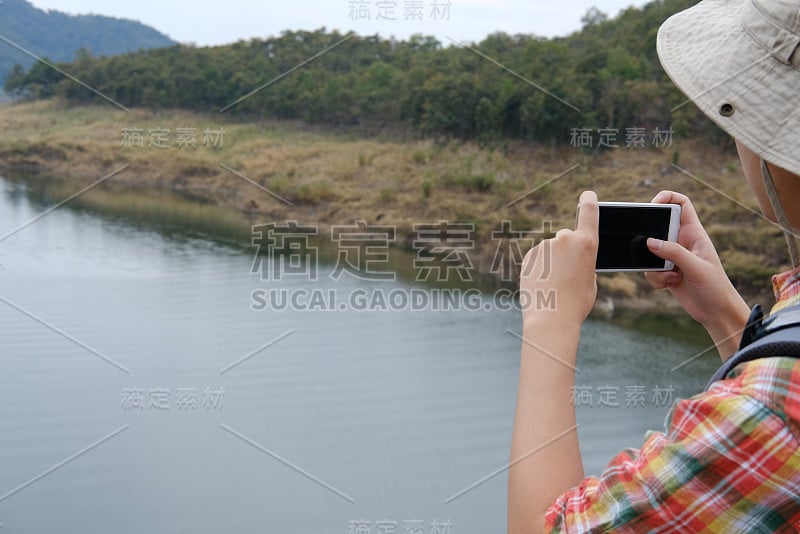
<point>726,110</point>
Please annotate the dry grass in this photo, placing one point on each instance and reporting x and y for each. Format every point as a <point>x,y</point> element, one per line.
<point>332,178</point>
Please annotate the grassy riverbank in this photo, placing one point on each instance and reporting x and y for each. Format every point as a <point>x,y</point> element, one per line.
<point>332,177</point>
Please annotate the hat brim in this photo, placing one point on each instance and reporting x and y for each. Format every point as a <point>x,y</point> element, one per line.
<point>709,55</point>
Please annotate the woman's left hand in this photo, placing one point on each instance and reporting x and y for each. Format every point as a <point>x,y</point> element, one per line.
<point>560,272</point>
<point>563,269</point>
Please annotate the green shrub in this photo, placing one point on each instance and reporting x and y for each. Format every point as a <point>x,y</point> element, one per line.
<point>426,188</point>
<point>314,192</point>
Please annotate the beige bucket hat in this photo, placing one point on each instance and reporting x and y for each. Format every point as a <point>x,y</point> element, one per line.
<point>739,62</point>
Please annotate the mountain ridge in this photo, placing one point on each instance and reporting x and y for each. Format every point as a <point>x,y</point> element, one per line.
<point>57,36</point>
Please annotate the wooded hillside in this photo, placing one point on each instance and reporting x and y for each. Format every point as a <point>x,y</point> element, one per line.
<point>605,75</point>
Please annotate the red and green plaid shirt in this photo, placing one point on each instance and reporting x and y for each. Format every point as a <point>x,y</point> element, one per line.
<point>728,462</point>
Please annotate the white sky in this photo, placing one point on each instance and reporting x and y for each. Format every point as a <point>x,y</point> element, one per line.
<point>211,22</point>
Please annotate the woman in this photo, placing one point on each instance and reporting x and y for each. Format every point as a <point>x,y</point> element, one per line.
<point>728,461</point>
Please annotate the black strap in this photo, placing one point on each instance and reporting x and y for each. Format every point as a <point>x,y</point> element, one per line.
<point>777,336</point>
<point>754,327</point>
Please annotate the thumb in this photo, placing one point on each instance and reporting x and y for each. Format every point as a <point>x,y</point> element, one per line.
<point>676,253</point>
<point>659,280</point>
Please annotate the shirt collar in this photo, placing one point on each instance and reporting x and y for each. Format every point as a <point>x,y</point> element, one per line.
<point>787,289</point>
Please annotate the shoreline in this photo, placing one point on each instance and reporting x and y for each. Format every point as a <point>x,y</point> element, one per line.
<point>333,180</point>
<point>232,228</point>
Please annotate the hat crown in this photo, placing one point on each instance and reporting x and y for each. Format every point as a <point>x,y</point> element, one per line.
<point>784,14</point>
<point>775,26</point>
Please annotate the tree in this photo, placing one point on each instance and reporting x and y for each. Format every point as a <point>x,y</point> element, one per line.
<point>15,82</point>
<point>620,67</point>
<point>42,79</point>
<point>593,17</point>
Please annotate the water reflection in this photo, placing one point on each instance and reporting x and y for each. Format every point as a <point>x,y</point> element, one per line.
<point>397,410</point>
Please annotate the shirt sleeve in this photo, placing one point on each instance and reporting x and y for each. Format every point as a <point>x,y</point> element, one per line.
<point>720,453</point>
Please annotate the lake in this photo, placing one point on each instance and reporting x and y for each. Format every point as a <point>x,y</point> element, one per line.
<point>140,391</point>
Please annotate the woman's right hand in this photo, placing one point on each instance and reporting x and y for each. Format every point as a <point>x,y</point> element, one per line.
<point>699,281</point>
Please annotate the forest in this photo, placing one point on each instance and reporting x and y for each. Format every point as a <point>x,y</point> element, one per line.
<point>605,75</point>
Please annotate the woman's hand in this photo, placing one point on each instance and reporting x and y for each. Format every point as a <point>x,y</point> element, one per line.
<point>560,270</point>
<point>699,281</point>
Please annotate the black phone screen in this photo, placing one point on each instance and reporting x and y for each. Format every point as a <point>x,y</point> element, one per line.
<point>623,236</point>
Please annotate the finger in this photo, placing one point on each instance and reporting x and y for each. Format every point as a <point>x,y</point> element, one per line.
<point>529,260</point>
<point>661,197</point>
<point>688,214</point>
<point>676,253</point>
<point>663,280</point>
<point>655,281</point>
<point>588,214</point>
<point>536,261</point>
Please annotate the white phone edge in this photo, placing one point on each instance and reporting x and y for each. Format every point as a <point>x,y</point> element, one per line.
<point>672,234</point>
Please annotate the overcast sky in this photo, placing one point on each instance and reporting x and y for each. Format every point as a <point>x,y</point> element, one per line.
<point>207,22</point>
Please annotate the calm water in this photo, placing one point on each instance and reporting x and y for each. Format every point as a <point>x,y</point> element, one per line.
<point>351,416</point>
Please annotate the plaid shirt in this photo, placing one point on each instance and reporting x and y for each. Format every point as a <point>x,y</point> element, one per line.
<point>728,462</point>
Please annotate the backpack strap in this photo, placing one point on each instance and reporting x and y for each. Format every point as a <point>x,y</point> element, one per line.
<point>776,336</point>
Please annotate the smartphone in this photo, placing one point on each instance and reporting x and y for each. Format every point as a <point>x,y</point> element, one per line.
<point>624,229</point>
